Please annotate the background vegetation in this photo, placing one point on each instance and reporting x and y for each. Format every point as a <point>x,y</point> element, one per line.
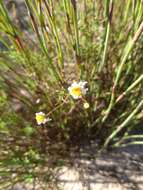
<point>99,42</point>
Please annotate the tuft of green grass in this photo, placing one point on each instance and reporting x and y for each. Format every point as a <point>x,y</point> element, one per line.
<point>99,42</point>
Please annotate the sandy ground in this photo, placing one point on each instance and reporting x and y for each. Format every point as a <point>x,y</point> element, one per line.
<point>120,169</point>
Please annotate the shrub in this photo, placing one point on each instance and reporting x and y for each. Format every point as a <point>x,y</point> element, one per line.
<point>43,70</point>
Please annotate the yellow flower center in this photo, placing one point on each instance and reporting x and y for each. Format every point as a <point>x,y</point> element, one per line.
<point>40,118</point>
<point>76,91</point>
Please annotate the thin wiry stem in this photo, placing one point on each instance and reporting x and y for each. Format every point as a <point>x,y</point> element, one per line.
<point>133,85</point>
<point>109,13</point>
<point>124,124</point>
<point>129,47</point>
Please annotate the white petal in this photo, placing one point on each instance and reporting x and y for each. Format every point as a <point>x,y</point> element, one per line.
<point>82,84</point>
<point>39,123</point>
<point>69,89</point>
<point>40,113</point>
<point>75,97</point>
<point>74,84</point>
<point>84,90</point>
<point>38,101</point>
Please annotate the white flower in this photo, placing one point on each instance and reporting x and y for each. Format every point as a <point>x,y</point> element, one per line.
<point>41,118</point>
<point>38,101</point>
<point>78,89</point>
<point>86,105</point>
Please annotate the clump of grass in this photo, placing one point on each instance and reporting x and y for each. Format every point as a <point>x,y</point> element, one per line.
<point>92,41</point>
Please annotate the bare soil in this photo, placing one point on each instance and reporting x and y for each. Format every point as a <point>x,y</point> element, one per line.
<point>118,169</point>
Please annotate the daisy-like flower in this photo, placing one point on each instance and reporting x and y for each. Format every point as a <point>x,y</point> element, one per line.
<point>41,118</point>
<point>78,89</point>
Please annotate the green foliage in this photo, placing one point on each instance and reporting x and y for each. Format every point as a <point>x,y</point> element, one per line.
<point>95,41</point>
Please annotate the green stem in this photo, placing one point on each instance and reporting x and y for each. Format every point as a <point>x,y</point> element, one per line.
<point>75,22</point>
<point>128,49</point>
<point>134,84</point>
<point>131,143</point>
<point>108,12</point>
<point>105,47</point>
<point>124,124</point>
<point>128,138</point>
<point>55,34</point>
